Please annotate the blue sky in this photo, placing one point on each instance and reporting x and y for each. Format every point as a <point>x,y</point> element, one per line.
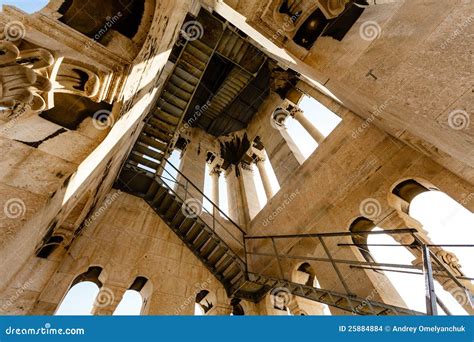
<point>28,6</point>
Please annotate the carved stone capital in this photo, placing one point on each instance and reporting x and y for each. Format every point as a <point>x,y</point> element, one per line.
<point>23,78</point>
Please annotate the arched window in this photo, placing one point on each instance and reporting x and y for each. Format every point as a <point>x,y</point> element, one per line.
<point>79,300</point>
<point>449,223</point>
<point>305,274</point>
<point>130,305</point>
<point>237,309</point>
<point>362,224</point>
<point>318,115</point>
<point>132,301</point>
<point>204,302</point>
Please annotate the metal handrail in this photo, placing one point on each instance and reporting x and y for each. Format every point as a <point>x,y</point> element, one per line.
<point>174,191</point>
<point>201,193</point>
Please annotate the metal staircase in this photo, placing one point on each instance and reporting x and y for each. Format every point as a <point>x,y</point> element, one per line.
<point>212,236</point>
<point>171,200</point>
<point>160,127</point>
<point>203,234</point>
<point>345,302</point>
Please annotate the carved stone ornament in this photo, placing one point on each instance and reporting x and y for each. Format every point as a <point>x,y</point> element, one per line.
<point>22,78</point>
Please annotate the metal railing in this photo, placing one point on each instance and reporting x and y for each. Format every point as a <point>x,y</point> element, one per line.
<point>185,190</point>
<point>432,265</point>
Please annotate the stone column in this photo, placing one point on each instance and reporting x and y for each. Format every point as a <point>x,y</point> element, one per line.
<point>299,116</point>
<point>193,166</point>
<point>233,196</point>
<point>283,153</point>
<point>399,220</point>
<point>250,200</point>
<point>107,300</point>
<point>241,192</point>
<point>215,173</point>
<point>267,186</point>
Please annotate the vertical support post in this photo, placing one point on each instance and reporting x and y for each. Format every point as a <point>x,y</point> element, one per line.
<point>341,278</point>
<point>308,126</point>
<point>430,295</point>
<point>246,258</point>
<point>278,259</point>
<point>267,186</point>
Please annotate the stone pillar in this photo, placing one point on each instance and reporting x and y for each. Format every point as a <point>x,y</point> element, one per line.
<point>215,173</point>
<point>299,116</point>
<point>241,192</point>
<point>267,186</point>
<point>233,196</point>
<point>250,200</point>
<point>399,220</point>
<point>107,300</point>
<point>283,153</point>
<point>193,166</point>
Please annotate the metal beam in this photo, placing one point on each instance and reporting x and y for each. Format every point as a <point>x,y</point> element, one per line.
<point>339,261</point>
<point>430,295</point>
<point>396,245</point>
<point>408,272</point>
<point>317,235</point>
<point>334,265</point>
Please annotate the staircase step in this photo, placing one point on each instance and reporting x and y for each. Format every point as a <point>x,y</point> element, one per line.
<point>188,67</point>
<point>239,276</point>
<point>231,271</point>
<point>182,84</point>
<point>202,47</point>
<point>174,100</point>
<point>199,54</point>
<point>188,77</point>
<point>224,263</point>
<point>170,108</point>
<point>195,62</point>
<point>173,210</point>
<point>159,196</point>
<point>216,255</point>
<point>194,232</point>
<point>148,140</point>
<point>143,149</point>
<point>152,190</point>
<point>185,226</point>
<point>183,95</point>
<point>201,239</point>
<point>178,218</point>
<point>166,204</point>
<point>164,137</point>
<point>162,125</point>
<point>209,247</point>
<point>139,159</point>
<point>166,117</point>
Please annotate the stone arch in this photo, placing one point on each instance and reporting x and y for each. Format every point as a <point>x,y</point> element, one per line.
<point>404,191</point>
<point>303,273</point>
<point>206,300</point>
<point>91,275</point>
<point>138,287</point>
<point>119,25</point>
<point>362,224</point>
<point>411,193</point>
<point>237,308</point>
